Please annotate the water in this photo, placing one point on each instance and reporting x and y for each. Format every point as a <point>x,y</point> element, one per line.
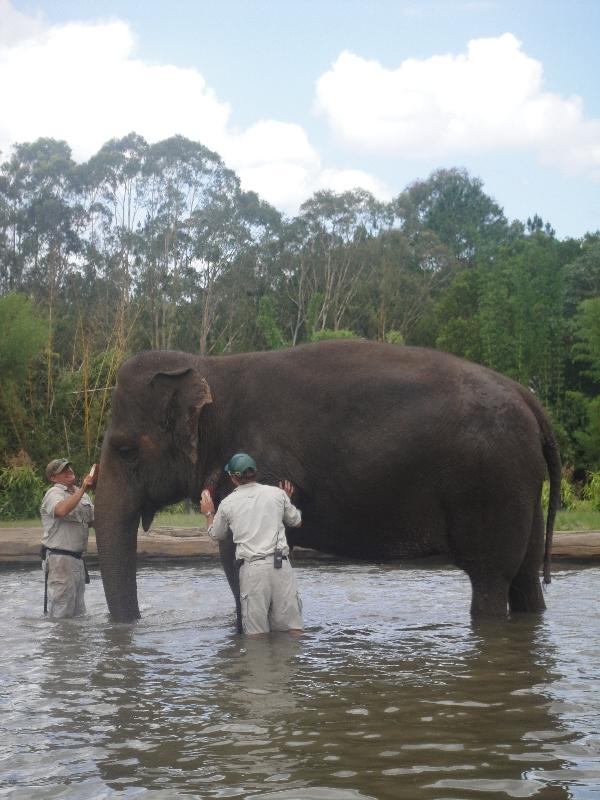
<point>393,693</point>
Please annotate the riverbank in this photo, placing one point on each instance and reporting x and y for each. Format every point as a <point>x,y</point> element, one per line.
<point>22,545</point>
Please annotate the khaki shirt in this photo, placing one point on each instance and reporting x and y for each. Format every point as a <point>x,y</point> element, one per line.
<point>257,515</point>
<point>70,532</point>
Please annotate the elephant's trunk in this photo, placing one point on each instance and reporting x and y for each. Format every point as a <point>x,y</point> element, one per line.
<point>116,537</point>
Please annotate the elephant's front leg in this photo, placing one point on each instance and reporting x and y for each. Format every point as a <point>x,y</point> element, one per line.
<point>227,554</point>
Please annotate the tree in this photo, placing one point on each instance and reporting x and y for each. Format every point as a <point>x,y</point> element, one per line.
<point>587,335</point>
<point>330,242</point>
<point>22,336</point>
<point>453,205</point>
<point>267,323</point>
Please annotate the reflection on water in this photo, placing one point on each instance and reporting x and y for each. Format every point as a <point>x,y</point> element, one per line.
<point>393,693</point>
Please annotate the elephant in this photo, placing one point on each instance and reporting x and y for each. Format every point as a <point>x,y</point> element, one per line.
<point>396,452</point>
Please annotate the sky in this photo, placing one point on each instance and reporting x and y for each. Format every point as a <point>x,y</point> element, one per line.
<point>302,95</point>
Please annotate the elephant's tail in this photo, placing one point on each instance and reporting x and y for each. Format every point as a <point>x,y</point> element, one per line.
<point>552,456</point>
<point>553,464</point>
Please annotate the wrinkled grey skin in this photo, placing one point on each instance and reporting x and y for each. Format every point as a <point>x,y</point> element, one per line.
<point>396,452</point>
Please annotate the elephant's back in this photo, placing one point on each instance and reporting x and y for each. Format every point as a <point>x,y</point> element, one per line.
<point>384,407</point>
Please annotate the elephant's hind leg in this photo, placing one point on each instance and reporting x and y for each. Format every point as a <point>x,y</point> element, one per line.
<point>525,593</point>
<point>490,593</point>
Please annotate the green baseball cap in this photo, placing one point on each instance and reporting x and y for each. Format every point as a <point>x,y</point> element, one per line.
<point>239,463</point>
<point>55,466</point>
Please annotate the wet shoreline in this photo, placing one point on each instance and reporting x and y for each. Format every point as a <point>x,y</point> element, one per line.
<point>22,546</point>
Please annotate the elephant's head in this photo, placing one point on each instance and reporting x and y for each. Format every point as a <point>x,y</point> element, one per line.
<point>150,458</point>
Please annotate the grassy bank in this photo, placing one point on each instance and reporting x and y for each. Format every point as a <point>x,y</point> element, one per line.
<point>580,520</point>
<point>161,520</point>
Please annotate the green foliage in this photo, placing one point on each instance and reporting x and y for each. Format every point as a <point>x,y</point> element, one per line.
<point>267,323</point>
<point>576,498</point>
<point>587,437</point>
<point>23,334</point>
<point>591,490</point>
<point>327,333</point>
<point>394,337</point>
<point>587,332</point>
<point>568,497</point>
<point>21,492</point>
<point>457,313</point>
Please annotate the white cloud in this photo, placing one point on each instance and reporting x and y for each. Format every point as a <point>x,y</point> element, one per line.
<point>16,26</point>
<point>80,82</point>
<point>489,100</point>
<point>83,83</point>
<point>276,160</point>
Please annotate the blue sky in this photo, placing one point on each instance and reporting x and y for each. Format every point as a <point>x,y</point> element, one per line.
<point>298,96</point>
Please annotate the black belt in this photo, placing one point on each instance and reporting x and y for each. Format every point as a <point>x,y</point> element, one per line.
<point>240,561</point>
<point>58,551</point>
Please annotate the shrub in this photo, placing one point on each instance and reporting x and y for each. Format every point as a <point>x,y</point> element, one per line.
<point>568,496</point>
<point>591,490</point>
<point>21,492</point>
<point>327,333</point>
<point>394,337</point>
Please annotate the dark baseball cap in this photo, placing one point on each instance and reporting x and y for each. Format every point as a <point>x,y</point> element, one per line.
<point>56,466</point>
<point>239,463</point>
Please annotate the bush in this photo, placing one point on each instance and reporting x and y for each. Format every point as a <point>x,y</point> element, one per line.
<point>591,490</point>
<point>568,496</point>
<point>327,333</point>
<point>21,492</point>
<point>394,337</point>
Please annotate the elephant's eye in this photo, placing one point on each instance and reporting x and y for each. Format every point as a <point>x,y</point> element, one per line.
<point>128,454</point>
<point>125,448</point>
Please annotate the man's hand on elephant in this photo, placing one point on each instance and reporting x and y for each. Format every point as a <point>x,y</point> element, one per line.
<point>206,504</point>
<point>288,487</point>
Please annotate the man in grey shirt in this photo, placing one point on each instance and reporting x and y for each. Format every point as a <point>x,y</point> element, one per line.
<point>67,513</point>
<point>257,515</point>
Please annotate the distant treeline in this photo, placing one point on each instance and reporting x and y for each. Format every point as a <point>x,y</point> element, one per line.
<point>156,246</point>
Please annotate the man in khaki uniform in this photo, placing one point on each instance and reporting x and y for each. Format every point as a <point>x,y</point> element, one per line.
<point>257,515</point>
<point>67,513</point>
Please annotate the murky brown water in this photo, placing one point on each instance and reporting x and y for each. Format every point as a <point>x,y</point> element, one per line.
<point>391,694</point>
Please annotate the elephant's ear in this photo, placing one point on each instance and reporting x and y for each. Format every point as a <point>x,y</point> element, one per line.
<point>183,394</point>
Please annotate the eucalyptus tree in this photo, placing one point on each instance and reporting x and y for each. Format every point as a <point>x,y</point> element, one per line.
<point>233,239</point>
<point>184,179</point>
<point>247,287</point>
<point>410,272</point>
<point>45,218</point>
<point>452,205</point>
<point>35,213</point>
<point>11,264</point>
<point>329,257</point>
<point>38,210</point>
<point>116,188</point>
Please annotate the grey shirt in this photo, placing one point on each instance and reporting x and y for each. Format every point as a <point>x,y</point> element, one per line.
<point>257,515</point>
<point>70,532</point>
